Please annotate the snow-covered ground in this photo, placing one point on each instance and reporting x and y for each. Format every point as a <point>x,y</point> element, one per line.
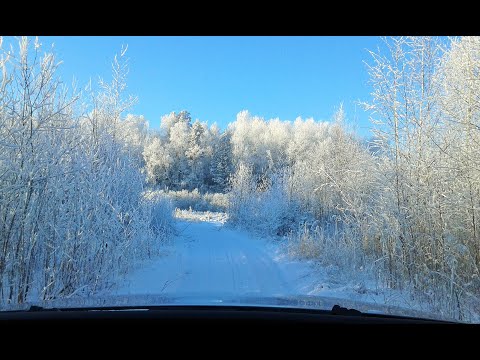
<point>209,216</point>
<point>209,257</point>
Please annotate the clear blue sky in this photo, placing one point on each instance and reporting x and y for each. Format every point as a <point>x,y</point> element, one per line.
<point>216,77</point>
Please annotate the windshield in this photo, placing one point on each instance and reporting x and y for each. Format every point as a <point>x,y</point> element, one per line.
<point>273,171</point>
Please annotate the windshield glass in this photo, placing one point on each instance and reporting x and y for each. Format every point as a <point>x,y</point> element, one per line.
<point>272,171</point>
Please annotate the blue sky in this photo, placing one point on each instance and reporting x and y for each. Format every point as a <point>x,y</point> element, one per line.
<point>216,77</point>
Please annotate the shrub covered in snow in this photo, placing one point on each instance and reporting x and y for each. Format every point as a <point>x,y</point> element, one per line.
<point>184,199</point>
<point>72,216</point>
<point>261,204</point>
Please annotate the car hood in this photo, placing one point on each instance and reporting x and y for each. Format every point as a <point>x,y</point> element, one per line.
<point>253,300</point>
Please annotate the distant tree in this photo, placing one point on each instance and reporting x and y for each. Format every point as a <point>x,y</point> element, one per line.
<point>134,130</point>
<point>195,154</point>
<point>157,162</point>
<point>167,122</point>
<point>221,165</point>
<point>184,153</point>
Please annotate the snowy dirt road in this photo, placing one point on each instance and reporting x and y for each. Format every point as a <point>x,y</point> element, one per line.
<point>210,258</point>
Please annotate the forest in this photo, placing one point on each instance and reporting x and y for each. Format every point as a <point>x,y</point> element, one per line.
<point>88,190</point>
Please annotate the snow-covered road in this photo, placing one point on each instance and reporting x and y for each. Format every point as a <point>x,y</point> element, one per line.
<point>210,258</point>
<point>213,261</point>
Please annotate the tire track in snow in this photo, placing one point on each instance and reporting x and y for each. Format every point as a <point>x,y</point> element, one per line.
<point>207,259</point>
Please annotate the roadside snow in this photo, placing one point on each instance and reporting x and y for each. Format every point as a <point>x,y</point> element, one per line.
<point>310,278</point>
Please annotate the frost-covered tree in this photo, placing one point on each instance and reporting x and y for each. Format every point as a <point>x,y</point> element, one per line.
<point>178,146</point>
<point>248,141</point>
<point>260,143</point>
<point>195,154</point>
<point>424,110</point>
<point>221,165</point>
<point>170,120</point>
<point>72,214</point>
<point>157,161</point>
<point>134,130</point>
<point>458,148</point>
<point>181,157</point>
